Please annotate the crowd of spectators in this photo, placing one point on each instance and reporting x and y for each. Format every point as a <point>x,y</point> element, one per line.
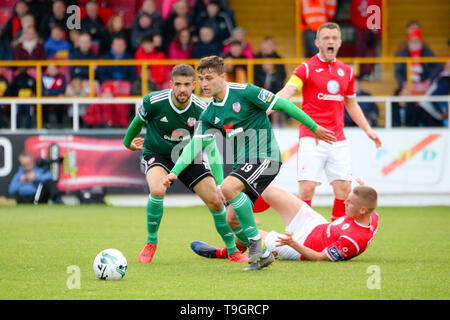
<point>107,30</point>
<point>169,29</point>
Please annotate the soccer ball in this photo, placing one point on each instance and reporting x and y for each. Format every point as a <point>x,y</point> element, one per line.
<point>110,264</point>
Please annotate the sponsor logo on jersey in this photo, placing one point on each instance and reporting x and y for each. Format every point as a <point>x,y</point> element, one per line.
<point>265,95</point>
<point>237,107</point>
<point>319,70</point>
<point>164,119</point>
<point>191,121</point>
<point>333,86</point>
<point>340,72</point>
<point>334,252</point>
<point>228,128</point>
<point>345,226</point>
<point>332,97</point>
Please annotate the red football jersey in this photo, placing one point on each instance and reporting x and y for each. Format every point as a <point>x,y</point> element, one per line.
<point>325,84</point>
<point>342,239</point>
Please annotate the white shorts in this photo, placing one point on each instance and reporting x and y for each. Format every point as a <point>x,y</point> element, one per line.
<point>301,226</point>
<point>334,158</point>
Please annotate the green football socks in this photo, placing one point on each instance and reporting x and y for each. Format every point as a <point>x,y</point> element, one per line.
<point>224,230</point>
<point>154,215</point>
<point>244,212</point>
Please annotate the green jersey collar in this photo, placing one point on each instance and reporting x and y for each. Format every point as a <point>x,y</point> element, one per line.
<point>174,107</point>
<point>222,103</point>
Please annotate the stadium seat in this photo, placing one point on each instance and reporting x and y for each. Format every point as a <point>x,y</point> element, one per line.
<point>121,88</point>
<point>124,6</point>
<point>5,14</point>
<point>8,4</point>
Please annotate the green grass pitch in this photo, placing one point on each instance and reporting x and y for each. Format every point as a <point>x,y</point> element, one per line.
<point>39,243</point>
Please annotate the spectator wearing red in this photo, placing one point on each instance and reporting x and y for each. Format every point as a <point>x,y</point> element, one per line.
<point>181,46</point>
<point>13,25</point>
<point>239,35</point>
<point>146,51</point>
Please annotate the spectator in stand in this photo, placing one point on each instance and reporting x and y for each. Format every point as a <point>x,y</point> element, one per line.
<point>23,86</point>
<point>33,184</point>
<point>118,52</point>
<point>76,89</point>
<point>439,87</point>
<point>74,37</point>
<point>116,27</point>
<point>53,85</point>
<point>56,46</point>
<point>271,76</point>
<point>370,109</point>
<point>13,25</point>
<point>314,14</point>
<point>181,17</point>
<point>29,46</point>
<point>26,22</point>
<point>404,114</point>
<point>181,46</point>
<point>143,27</point>
<point>58,16</point>
<point>147,51</point>
<point>107,115</point>
<point>422,74</point>
<point>95,26</point>
<point>219,21</point>
<point>239,35</point>
<point>148,6</point>
<point>169,6</point>
<point>235,73</point>
<point>36,8</point>
<point>83,52</point>
<point>367,39</point>
<point>206,45</point>
<point>4,92</point>
<point>200,6</point>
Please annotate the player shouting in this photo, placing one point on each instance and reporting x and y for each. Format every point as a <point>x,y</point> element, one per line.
<point>327,87</point>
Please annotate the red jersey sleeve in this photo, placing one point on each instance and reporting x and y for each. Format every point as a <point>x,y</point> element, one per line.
<point>302,72</point>
<point>343,249</point>
<point>351,86</point>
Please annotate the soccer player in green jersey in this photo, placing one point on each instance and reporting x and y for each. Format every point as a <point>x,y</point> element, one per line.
<point>170,116</point>
<point>238,112</point>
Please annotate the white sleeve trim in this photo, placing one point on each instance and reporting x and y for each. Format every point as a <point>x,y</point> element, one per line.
<point>272,104</point>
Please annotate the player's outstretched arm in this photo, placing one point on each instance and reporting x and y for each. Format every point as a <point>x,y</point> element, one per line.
<point>299,115</point>
<point>306,252</point>
<point>133,130</point>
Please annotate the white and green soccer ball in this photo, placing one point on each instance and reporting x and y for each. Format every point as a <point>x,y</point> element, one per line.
<point>110,264</point>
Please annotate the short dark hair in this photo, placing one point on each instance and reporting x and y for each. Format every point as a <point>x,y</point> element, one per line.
<point>214,63</point>
<point>184,70</point>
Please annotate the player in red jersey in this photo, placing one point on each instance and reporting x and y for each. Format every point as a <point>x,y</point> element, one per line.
<point>309,236</point>
<point>327,87</point>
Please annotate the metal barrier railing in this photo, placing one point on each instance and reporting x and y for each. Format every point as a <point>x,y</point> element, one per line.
<point>75,102</point>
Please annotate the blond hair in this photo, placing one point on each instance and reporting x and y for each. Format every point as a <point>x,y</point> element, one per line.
<point>367,196</point>
<point>328,25</point>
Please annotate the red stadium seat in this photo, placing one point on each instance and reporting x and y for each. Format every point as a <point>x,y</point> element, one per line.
<point>124,6</point>
<point>128,18</point>
<point>121,88</point>
<point>7,73</point>
<point>5,14</point>
<point>8,4</point>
